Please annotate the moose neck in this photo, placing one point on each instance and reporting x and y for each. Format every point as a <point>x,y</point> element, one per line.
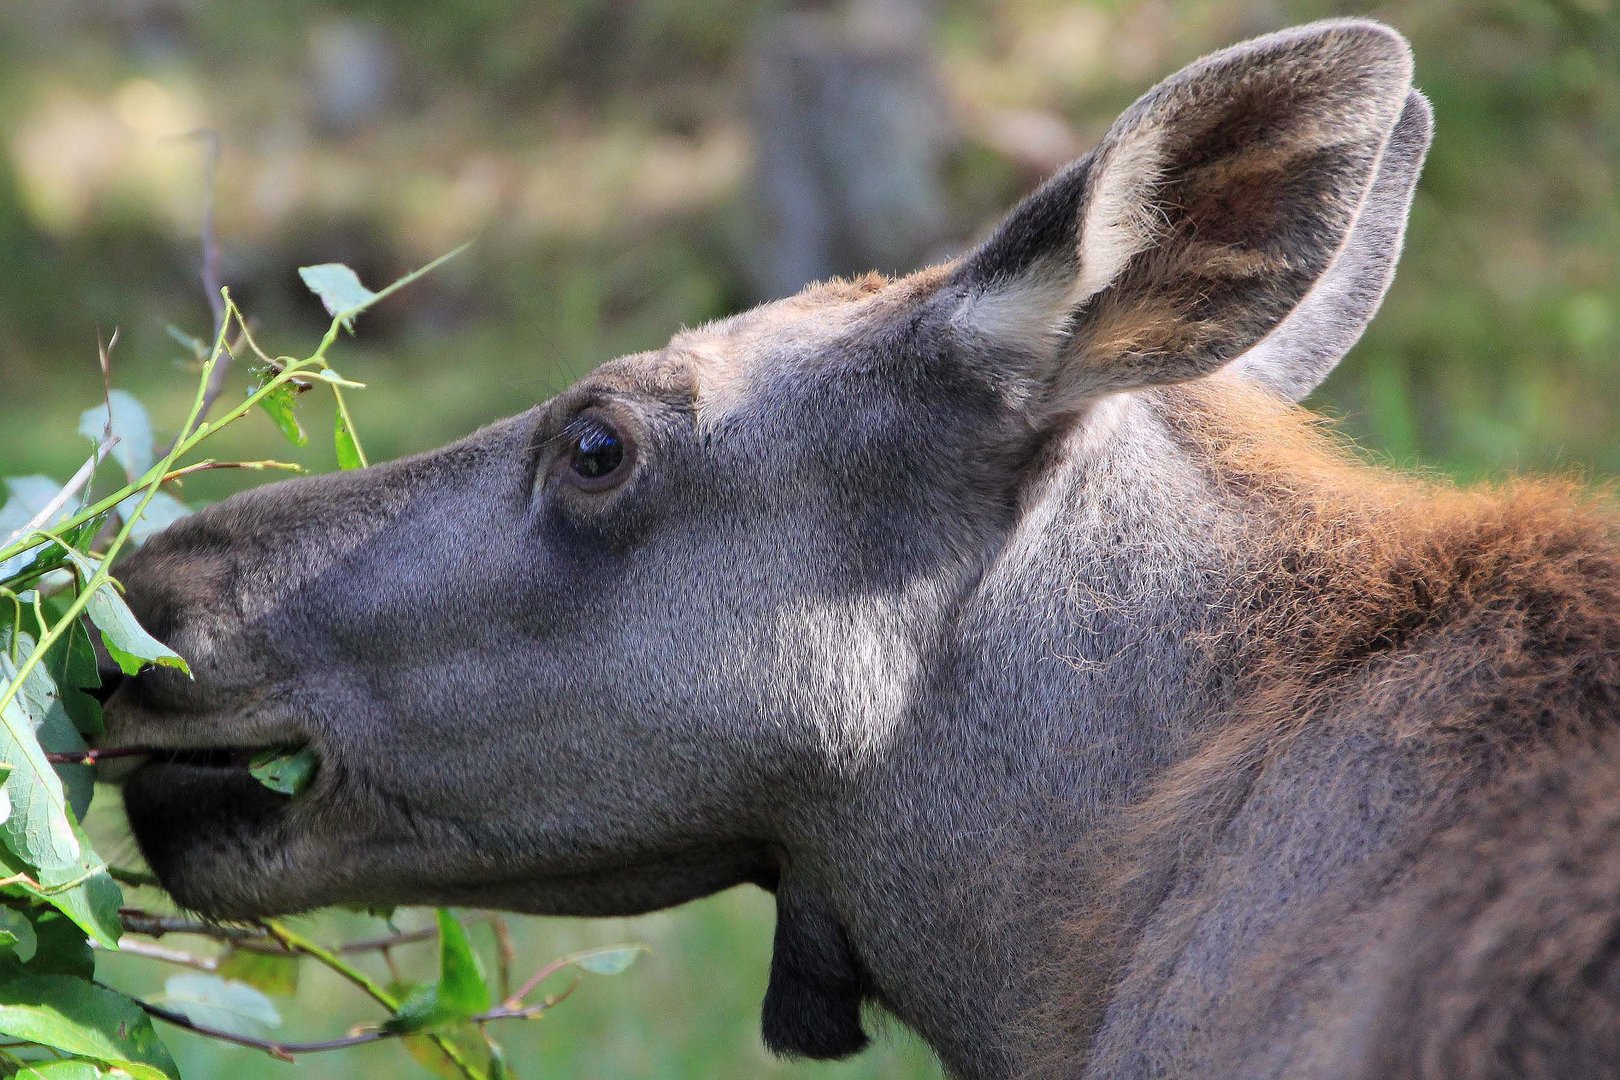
<point>1071,676</point>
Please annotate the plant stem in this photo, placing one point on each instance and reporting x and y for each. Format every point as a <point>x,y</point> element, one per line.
<point>101,576</point>
<point>125,876</point>
<point>296,942</point>
<point>286,1050</point>
<point>194,434</point>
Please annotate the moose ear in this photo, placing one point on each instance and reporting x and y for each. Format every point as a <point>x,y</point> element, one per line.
<point>1306,346</point>
<point>1209,213</point>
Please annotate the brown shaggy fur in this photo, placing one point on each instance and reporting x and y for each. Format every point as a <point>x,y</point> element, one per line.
<point>1504,961</point>
<point>1480,626</point>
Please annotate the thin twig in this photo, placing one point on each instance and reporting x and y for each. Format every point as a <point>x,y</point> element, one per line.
<point>155,926</point>
<point>90,757</point>
<point>129,946</point>
<point>513,1001</point>
<point>284,1051</point>
<point>380,944</point>
<point>70,489</point>
<point>287,1050</point>
<point>505,955</point>
<point>205,466</point>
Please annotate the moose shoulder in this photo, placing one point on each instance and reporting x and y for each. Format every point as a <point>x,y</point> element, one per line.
<point>1083,704</point>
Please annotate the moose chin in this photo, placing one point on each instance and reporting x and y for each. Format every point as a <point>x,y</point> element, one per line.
<point>1083,703</point>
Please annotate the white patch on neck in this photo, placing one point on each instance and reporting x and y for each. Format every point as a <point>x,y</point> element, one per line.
<point>849,666</point>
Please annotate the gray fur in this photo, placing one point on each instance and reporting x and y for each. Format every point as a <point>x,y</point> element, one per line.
<point>890,611</point>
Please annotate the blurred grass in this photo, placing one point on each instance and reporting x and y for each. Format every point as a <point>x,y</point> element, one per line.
<point>599,154</point>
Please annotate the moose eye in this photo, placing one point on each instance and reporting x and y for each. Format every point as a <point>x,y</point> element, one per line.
<point>596,455</point>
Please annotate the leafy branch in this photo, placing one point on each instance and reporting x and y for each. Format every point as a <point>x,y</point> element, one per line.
<point>57,896</point>
<point>458,1000</point>
<point>57,551</point>
<point>287,1050</point>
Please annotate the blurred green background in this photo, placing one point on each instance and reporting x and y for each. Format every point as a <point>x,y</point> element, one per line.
<point>622,167</point>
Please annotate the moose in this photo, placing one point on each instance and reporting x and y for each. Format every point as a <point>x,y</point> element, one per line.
<point>1083,702</point>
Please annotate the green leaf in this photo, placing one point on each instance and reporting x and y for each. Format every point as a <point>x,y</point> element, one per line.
<point>279,404</point>
<point>461,980</point>
<point>610,960</point>
<point>133,451</point>
<point>130,646</point>
<point>85,1020</point>
<point>72,665</point>
<point>223,1004</point>
<point>26,496</point>
<point>288,772</point>
<point>38,829</point>
<point>63,948</point>
<point>348,449</point>
<point>460,992</point>
<point>42,702</point>
<point>17,934</point>
<point>82,891</point>
<point>75,1069</point>
<point>339,289</point>
<point>271,973</point>
<point>60,949</point>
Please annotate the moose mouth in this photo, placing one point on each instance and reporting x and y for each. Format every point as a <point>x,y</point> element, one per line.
<point>203,821</point>
<point>116,765</point>
<point>206,824</point>
<point>213,758</point>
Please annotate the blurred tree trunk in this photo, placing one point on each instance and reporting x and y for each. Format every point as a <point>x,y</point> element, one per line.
<point>850,129</point>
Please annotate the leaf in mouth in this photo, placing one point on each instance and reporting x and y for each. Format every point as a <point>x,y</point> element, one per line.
<point>286,771</point>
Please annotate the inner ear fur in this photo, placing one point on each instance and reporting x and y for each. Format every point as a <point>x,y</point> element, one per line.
<point>1200,221</point>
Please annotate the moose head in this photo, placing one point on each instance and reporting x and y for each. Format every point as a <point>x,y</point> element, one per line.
<point>875,596</point>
